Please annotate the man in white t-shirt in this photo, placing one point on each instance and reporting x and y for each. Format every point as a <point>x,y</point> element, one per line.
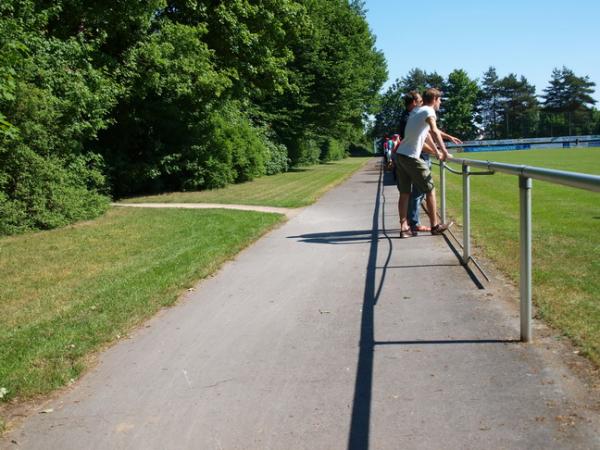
<point>410,168</point>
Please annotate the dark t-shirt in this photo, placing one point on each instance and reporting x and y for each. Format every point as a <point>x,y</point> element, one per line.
<point>402,123</point>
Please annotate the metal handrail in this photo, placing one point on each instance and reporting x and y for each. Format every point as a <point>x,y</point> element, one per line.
<point>525,174</point>
<point>572,179</point>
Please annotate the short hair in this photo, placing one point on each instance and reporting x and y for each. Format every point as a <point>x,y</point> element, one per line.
<point>431,94</point>
<point>412,96</point>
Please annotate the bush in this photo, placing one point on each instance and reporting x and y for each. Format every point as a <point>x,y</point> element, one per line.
<point>229,150</point>
<point>360,149</point>
<point>277,160</point>
<point>304,151</point>
<point>58,102</point>
<point>45,193</point>
<point>332,150</point>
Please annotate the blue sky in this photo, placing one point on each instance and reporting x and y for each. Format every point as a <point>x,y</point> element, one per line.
<point>526,37</point>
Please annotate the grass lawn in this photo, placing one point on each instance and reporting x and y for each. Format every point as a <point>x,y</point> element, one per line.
<point>299,187</point>
<point>566,236</point>
<point>67,292</point>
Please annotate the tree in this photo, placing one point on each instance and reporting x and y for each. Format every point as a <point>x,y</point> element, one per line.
<point>337,74</point>
<point>419,80</point>
<point>391,108</point>
<point>461,95</point>
<point>58,102</point>
<point>568,102</point>
<point>519,107</point>
<point>568,92</point>
<point>489,105</point>
<point>172,94</point>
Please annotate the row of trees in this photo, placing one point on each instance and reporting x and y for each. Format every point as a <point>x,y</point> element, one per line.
<point>118,98</point>
<point>500,108</point>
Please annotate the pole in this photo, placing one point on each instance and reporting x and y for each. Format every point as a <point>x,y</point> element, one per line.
<point>443,191</point>
<point>466,214</point>
<point>525,186</point>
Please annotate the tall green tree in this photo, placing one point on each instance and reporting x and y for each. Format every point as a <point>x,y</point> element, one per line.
<point>489,106</point>
<point>337,72</point>
<point>461,94</point>
<point>58,102</point>
<point>568,92</point>
<point>172,94</point>
<point>568,103</point>
<point>419,80</point>
<point>391,108</point>
<point>520,108</point>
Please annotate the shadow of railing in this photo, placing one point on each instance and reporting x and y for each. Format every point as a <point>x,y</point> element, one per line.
<point>358,438</point>
<point>361,406</point>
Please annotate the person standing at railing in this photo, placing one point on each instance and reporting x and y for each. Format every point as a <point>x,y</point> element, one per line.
<point>411,169</point>
<point>416,195</point>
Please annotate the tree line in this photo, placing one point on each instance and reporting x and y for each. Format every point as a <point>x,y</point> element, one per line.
<point>499,108</point>
<point>106,99</point>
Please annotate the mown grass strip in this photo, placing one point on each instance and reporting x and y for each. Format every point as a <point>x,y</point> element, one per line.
<point>299,187</point>
<point>68,292</point>
<point>566,236</point>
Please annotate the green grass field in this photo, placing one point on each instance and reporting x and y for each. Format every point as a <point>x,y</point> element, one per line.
<point>67,293</point>
<point>566,236</point>
<point>300,187</point>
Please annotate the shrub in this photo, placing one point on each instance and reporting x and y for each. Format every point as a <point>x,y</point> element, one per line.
<point>44,193</point>
<point>277,160</point>
<point>332,150</point>
<point>304,151</point>
<point>58,102</point>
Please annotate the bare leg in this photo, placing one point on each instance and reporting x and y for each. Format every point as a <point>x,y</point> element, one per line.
<point>403,210</point>
<point>431,207</point>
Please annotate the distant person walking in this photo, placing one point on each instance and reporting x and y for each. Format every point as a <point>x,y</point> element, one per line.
<point>388,145</point>
<point>411,169</point>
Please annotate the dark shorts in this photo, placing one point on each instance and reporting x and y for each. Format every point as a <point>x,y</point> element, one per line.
<point>412,171</point>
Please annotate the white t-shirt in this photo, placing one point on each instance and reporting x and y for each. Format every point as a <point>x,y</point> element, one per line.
<point>416,131</point>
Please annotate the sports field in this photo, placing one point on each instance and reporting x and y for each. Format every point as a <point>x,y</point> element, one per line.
<point>566,236</point>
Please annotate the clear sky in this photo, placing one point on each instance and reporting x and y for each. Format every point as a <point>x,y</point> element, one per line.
<point>526,37</point>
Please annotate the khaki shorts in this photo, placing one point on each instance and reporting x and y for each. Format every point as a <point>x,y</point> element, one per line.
<point>412,171</point>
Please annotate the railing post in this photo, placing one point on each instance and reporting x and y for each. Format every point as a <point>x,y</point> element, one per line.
<point>466,214</point>
<point>525,245</point>
<point>443,191</point>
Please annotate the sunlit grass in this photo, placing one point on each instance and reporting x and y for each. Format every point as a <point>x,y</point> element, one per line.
<point>67,292</point>
<point>566,236</point>
<point>300,187</point>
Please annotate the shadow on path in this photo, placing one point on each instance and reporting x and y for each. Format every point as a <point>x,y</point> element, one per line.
<point>358,438</point>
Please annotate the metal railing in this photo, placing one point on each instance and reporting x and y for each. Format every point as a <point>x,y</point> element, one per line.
<point>526,174</point>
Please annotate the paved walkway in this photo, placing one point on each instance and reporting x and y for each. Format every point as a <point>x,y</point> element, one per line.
<point>330,333</point>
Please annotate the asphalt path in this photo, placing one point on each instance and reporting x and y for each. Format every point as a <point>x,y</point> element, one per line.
<point>330,333</point>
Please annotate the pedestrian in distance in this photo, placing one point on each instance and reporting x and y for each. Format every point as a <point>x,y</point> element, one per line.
<point>387,151</point>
